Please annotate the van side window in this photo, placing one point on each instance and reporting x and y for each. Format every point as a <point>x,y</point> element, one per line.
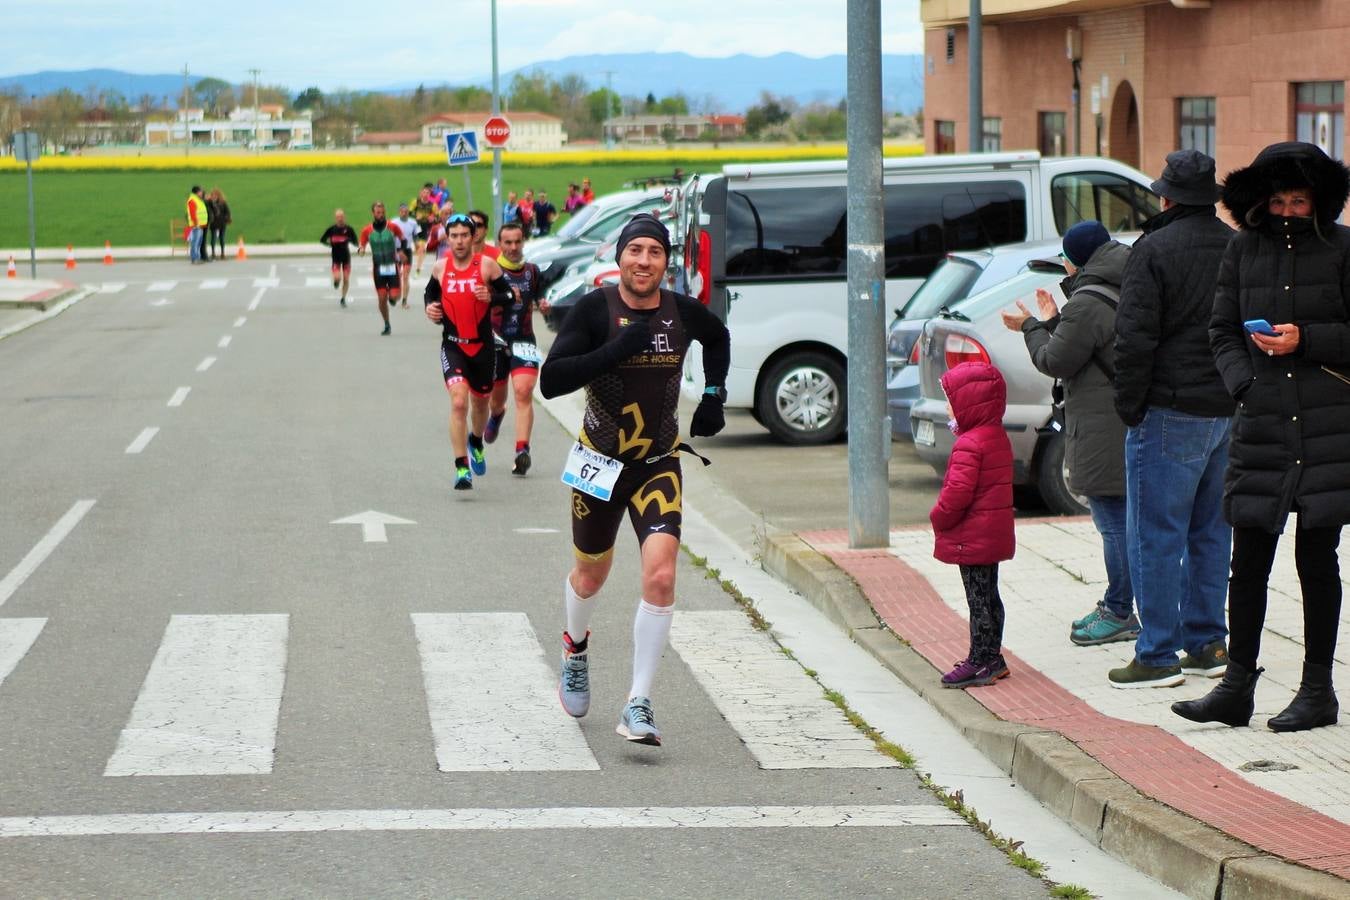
<point>798,232</point>
<point>924,222</point>
<point>1116,202</point>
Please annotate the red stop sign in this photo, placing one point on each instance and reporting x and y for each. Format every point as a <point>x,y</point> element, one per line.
<point>497,131</point>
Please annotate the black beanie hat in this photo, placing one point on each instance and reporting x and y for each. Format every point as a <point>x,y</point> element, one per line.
<point>643,225</point>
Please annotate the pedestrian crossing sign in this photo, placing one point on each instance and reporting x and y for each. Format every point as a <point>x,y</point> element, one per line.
<point>461,147</point>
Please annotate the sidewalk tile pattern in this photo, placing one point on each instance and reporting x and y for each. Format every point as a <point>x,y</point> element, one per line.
<point>1299,813</point>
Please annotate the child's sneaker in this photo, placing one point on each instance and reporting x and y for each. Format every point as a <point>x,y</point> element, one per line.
<point>969,674</point>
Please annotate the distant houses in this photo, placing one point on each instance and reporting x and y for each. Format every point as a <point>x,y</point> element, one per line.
<point>264,126</point>
<point>663,129</point>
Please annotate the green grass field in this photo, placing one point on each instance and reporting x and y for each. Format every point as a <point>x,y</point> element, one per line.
<point>135,208</point>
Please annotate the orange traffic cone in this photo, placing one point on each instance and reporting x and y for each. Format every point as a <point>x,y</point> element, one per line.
<point>240,254</point>
<point>70,257</point>
<point>12,272</point>
<point>107,253</point>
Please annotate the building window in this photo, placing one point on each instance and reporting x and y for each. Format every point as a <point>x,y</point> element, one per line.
<point>1319,115</point>
<point>1052,134</point>
<point>1195,120</point>
<point>946,137</point>
<point>991,141</point>
<point>951,45</point>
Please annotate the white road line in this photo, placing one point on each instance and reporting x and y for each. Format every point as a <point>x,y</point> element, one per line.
<point>257,298</point>
<point>16,637</point>
<point>503,724</point>
<point>266,282</point>
<point>272,271</point>
<point>527,819</point>
<point>214,284</point>
<point>142,440</point>
<point>35,557</point>
<point>777,710</point>
<point>239,322</point>
<point>179,396</point>
<point>210,701</point>
<point>206,363</point>
<point>112,287</point>
<point>535,530</point>
<point>161,287</point>
<point>318,282</point>
<point>224,342</point>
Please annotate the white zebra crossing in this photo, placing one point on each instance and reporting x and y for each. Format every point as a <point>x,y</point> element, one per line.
<point>112,287</point>
<point>16,638</point>
<point>312,281</point>
<point>160,287</point>
<point>214,284</point>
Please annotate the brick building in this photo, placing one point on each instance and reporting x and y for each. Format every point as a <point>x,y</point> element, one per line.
<point>1224,76</point>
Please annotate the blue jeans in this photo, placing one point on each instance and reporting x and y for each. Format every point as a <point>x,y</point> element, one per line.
<point>1108,515</point>
<point>195,243</point>
<point>1178,540</point>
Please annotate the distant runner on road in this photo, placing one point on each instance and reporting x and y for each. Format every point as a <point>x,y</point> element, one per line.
<point>517,331</point>
<point>383,238</point>
<point>626,345</point>
<point>406,247</point>
<point>339,239</point>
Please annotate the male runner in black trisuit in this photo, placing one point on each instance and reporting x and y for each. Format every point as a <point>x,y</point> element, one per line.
<point>626,347</point>
<point>339,239</point>
<point>517,330</point>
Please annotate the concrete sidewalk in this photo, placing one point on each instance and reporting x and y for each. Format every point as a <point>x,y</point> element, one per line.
<point>164,251</point>
<point>1209,810</point>
<point>25,301</point>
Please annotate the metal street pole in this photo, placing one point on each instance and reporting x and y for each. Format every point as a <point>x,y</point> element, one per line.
<point>869,428</point>
<point>976,41</point>
<point>496,111</point>
<point>32,224</point>
<point>255,72</point>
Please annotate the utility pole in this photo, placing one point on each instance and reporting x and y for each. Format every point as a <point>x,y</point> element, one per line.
<point>869,428</point>
<point>976,42</point>
<point>496,111</point>
<point>187,127</point>
<point>255,72</point>
<point>609,108</point>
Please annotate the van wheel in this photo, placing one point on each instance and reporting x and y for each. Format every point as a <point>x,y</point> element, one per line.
<point>1052,481</point>
<point>804,399</point>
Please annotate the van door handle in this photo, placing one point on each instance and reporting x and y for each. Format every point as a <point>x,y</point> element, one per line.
<point>732,296</point>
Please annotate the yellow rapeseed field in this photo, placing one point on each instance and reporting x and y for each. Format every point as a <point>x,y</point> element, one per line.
<point>322,159</point>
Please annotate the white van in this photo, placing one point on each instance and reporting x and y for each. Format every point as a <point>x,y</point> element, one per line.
<point>766,248</point>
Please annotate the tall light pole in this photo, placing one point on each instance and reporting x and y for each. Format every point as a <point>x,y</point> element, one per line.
<point>496,111</point>
<point>255,108</point>
<point>976,48</point>
<point>187,128</point>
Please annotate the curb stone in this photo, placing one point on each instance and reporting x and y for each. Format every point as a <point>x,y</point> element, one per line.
<point>1184,853</point>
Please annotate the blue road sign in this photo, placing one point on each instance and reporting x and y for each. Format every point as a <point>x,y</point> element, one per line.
<point>461,147</point>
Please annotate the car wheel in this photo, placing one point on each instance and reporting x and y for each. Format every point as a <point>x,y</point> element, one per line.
<point>804,399</point>
<point>1052,481</point>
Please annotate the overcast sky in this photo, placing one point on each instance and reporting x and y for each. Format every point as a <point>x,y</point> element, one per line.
<point>374,43</point>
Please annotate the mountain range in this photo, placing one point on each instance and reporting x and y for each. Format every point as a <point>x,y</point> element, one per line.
<point>712,84</point>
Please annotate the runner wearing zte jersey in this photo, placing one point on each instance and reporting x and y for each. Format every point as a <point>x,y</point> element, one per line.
<point>626,347</point>
<point>339,239</point>
<point>516,329</point>
<point>383,236</point>
<point>457,296</point>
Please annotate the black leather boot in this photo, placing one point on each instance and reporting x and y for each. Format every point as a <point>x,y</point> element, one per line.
<point>1231,702</point>
<point>1313,706</point>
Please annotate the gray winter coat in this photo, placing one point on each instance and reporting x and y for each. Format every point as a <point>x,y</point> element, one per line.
<point>1064,348</point>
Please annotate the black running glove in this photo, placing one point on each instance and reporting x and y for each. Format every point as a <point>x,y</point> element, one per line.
<point>636,337</point>
<point>708,418</point>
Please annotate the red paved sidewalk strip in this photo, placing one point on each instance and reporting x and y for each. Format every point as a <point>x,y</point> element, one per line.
<point>1156,763</point>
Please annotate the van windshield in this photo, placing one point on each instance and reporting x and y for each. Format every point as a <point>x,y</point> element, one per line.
<point>950,282</point>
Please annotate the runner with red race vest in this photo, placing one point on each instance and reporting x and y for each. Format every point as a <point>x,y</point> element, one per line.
<point>459,296</point>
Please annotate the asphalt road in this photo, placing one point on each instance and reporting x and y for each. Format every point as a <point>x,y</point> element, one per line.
<point>200,638</point>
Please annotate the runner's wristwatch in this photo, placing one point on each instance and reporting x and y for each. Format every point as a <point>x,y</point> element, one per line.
<point>719,392</point>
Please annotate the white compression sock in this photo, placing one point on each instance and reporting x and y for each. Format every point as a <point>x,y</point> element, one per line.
<point>651,630</point>
<point>578,611</point>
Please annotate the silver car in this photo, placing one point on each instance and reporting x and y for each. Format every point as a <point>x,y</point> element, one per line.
<point>973,330</point>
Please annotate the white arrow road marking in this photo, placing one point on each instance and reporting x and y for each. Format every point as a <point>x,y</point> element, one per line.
<point>524,819</point>
<point>257,298</point>
<point>160,287</point>
<point>112,287</point>
<point>372,525</point>
<point>224,342</point>
<point>777,709</point>
<point>266,282</point>
<point>28,565</point>
<point>162,301</point>
<point>16,637</point>
<point>206,363</point>
<point>535,530</point>
<point>214,284</point>
<point>179,396</point>
<point>239,322</point>
<point>142,440</point>
<point>497,724</point>
<point>210,701</point>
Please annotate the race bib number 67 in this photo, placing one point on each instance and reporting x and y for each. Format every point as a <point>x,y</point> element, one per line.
<point>590,472</point>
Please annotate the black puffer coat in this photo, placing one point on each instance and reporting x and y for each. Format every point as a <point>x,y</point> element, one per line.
<point>1291,441</point>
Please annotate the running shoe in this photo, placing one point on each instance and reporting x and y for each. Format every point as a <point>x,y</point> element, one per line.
<point>342,301</point>
<point>386,330</point>
<point>574,687</point>
<point>477,460</point>
<point>463,478</point>
<point>971,674</point>
<point>494,424</point>
<point>638,724</point>
<point>1105,629</point>
<point>522,464</point>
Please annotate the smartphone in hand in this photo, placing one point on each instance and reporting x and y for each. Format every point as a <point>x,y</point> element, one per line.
<point>1260,326</point>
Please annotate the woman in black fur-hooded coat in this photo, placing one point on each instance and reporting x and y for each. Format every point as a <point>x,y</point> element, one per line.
<point>1289,264</point>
